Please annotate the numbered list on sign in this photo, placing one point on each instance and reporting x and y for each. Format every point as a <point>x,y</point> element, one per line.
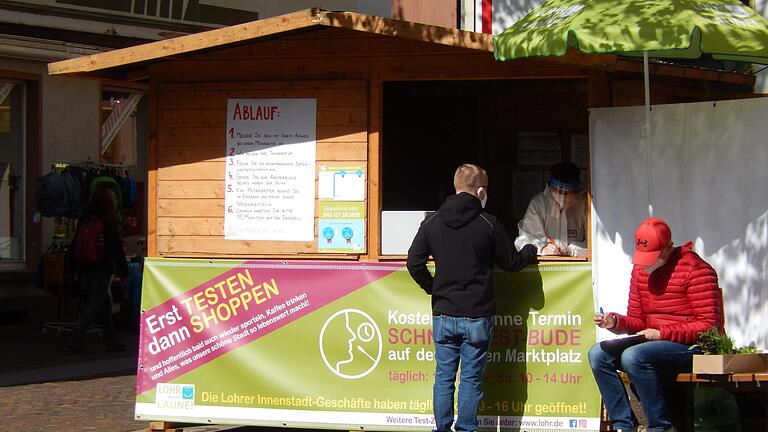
<point>269,190</point>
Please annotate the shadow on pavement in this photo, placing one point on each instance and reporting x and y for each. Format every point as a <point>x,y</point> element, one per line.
<point>32,355</point>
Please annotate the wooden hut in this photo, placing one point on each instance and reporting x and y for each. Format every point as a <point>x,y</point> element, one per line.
<point>407,101</point>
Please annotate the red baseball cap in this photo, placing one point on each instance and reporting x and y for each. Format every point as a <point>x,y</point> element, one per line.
<point>651,237</point>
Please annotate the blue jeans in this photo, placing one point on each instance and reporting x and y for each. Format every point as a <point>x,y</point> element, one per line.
<point>648,365</point>
<point>465,339</point>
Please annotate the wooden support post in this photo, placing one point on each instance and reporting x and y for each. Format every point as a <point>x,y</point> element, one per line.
<point>167,426</point>
<point>152,169</point>
<point>598,96</point>
<point>375,100</point>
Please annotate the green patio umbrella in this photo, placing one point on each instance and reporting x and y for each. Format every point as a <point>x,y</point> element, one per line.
<point>681,29</point>
<point>725,29</point>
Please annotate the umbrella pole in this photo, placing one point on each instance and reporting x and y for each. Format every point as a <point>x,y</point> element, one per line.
<point>646,81</point>
<point>647,129</point>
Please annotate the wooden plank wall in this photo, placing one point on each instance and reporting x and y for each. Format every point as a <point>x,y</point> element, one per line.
<point>345,71</point>
<point>191,147</point>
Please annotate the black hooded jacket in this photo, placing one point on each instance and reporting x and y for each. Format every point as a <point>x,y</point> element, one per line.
<point>464,242</point>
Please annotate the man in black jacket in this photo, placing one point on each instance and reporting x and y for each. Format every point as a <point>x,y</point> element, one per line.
<point>464,242</point>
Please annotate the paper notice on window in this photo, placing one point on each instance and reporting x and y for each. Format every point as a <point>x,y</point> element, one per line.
<point>270,169</point>
<point>580,151</point>
<point>539,148</point>
<point>526,185</point>
<point>341,182</point>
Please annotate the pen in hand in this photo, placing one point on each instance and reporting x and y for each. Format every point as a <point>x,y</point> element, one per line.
<point>600,318</point>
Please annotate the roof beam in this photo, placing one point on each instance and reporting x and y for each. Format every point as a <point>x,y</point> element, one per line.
<point>188,43</point>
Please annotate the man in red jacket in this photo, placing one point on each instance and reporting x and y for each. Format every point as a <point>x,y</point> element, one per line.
<point>673,297</point>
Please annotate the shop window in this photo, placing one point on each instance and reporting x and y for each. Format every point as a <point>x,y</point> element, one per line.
<point>123,141</point>
<point>12,171</point>
<point>119,127</point>
<point>516,129</point>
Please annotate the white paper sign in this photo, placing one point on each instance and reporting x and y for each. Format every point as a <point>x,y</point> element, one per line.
<point>580,151</point>
<point>341,182</point>
<point>270,178</point>
<point>526,185</point>
<point>538,148</point>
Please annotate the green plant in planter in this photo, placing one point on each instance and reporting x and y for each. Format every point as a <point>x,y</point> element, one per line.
<point>714,342</point>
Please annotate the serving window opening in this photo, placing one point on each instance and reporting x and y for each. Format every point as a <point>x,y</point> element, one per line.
<point>516,129</point>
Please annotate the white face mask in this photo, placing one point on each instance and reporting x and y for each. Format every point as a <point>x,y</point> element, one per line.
<point>484,199</point>
<point>651,268</point>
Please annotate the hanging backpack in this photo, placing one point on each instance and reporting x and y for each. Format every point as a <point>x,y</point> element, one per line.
<point>89,241</point>
<point>74,193</point>
<point>129,192</point>
<point>51,195</point>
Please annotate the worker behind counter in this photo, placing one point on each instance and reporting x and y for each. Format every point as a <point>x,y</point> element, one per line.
<point>556,219</point>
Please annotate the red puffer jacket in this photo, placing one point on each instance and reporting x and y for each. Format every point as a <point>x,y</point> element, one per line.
<point>681,299</point>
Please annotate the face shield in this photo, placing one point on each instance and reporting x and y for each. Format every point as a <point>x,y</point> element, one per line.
<point>563,193</point>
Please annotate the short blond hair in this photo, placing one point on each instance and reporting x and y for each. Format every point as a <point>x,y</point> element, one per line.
<point>469,177</point>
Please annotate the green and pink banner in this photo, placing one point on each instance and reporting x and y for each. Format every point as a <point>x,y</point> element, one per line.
<point>349,346</point>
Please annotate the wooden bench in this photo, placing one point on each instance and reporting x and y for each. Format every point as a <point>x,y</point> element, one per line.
<point>749,389</point>
<point>755,378</point>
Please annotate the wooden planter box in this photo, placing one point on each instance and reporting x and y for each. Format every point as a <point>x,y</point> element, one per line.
<point>723,364</point>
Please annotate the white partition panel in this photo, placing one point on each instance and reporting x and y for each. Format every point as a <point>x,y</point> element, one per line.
<point>708,179</point>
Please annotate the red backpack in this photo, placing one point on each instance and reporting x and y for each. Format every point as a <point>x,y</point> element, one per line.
<point>89,241</point>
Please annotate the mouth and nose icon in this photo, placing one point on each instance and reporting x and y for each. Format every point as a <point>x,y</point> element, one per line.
<point>350,343</point>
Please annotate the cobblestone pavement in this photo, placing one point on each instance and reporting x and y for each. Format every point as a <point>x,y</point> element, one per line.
<point>101,404</point>
<point>44,387</point>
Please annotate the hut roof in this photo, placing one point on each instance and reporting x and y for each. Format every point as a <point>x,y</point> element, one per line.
<point>304,20</point>
<point>127,61</point>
